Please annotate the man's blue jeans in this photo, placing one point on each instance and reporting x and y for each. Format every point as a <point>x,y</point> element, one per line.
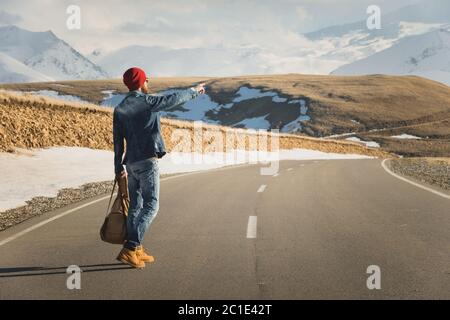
<point>143,186</point>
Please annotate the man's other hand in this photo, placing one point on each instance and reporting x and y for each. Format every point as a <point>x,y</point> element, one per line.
<point>200,88</point>
<point>122,175</point>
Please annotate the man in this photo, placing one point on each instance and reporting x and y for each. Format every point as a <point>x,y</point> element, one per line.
<point>136,119</point>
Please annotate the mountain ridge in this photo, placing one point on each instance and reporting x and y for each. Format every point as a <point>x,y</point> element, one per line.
<point>47,54</point>
<point>421,55</point>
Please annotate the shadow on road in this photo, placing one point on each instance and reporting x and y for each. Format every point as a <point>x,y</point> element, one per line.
<point>42,271</point>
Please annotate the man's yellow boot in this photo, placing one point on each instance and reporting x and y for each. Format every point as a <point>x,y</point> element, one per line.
<point>130,257</point>
<point>143,256</point>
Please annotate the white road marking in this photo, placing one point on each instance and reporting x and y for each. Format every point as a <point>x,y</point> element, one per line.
<point>276,175</point>
<point>251,227</point>
<point>383,164</point>
<point>43,223</point>
<point>302,165</point>
<point>290,169</point>
<point>262,188</point>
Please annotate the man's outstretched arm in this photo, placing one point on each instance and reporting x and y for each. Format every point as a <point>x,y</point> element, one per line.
<point>159,103</point>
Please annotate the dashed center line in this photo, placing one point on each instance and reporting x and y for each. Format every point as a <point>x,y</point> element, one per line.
<point>251,227</point>
<point>262,188</point>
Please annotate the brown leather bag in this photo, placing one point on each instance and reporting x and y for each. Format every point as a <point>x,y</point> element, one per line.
<point>114,228</point>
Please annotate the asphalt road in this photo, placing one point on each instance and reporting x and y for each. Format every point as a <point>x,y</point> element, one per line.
<point>318,226</point>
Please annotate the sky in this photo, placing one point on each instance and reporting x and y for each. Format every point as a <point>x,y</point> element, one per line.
<point>112,24</point>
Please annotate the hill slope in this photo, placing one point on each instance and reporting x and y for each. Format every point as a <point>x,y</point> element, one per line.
<point>317,106</point>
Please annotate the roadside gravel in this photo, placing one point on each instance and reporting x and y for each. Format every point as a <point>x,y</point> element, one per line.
<point>40,205</point>
<point>434,171</point>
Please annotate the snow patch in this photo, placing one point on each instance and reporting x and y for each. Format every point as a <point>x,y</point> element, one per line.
<point>370,144</point>
<point>246,93</point>
<point>406,136</point>
<point>277,99</point>
<point>195,109</point>
<point>49,170</point>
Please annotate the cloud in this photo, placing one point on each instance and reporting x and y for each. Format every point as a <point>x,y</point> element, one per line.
<point>302,13</point>
<point>184,23</point>
<point>156,24</point>
<point>7,18</point>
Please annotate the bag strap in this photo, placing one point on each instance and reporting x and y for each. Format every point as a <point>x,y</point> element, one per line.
<point>110,198</point>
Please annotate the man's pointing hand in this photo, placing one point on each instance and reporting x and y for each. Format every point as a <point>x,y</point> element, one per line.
<point>200,88</point>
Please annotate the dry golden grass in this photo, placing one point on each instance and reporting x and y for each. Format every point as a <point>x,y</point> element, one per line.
<point>28,121</point>
<point>413,148</point>
<point>37,122</point>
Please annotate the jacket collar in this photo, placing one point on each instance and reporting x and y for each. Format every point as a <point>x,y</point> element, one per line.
<point>135,93</point>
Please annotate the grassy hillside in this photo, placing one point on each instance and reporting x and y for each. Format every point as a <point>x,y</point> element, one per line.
<point>372,106</point>
<point>28,121</point>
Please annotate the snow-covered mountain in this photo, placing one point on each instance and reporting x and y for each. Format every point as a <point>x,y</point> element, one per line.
<point>354,41</point>
<point>425,55</point>
<point>15,71</point>
<point>45,54</point>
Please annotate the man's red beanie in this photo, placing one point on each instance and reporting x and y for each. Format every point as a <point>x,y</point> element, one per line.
<point>134,78</point>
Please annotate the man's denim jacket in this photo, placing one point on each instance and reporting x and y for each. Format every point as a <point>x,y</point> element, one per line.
<point>136,119</point>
